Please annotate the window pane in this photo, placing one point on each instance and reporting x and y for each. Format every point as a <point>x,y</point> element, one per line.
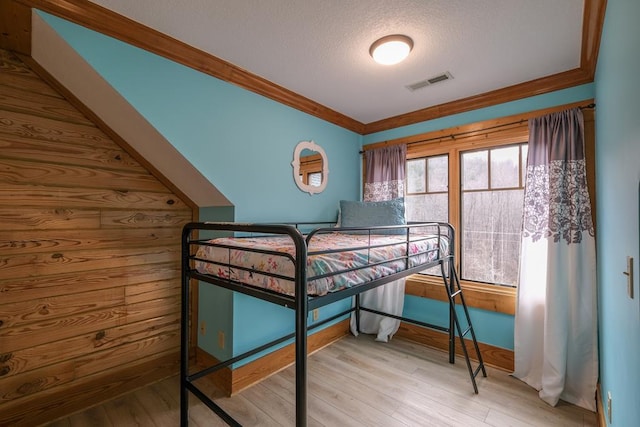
<point>475,171</point>
<point>438,171</point>
<point>505,167</point>
<point>491,223</point>
<point>433,204</point>
<point>416,182</point>
<point>525,150</point>
<point>427,207</point>
<point>315,179</point>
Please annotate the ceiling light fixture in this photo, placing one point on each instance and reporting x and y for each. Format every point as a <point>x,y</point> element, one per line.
<point>391,50</point>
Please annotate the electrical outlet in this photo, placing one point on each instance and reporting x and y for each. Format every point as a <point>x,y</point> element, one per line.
<point>609,408</point>
<point>315,314</point>
<point>221,339</point>
<point>203,327</point>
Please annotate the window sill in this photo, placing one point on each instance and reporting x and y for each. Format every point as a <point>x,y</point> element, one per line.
<point>477,295</point>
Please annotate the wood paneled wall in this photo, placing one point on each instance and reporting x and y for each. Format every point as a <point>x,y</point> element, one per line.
<point>89,259</point>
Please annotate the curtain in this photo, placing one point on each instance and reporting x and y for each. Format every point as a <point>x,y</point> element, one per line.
<point>556,315</point>
<point>385,173</point>
<point>384,180</point>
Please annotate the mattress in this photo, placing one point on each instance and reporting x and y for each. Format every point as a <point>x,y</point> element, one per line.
<point>335,261</point>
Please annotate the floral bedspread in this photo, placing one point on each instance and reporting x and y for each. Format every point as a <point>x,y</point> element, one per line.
<point>230,261</point>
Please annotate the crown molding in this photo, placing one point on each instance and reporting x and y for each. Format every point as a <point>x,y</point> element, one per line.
<point>99,19</point>
<point>102,20</point>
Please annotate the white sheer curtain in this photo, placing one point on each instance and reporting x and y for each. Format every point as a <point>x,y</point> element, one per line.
<point>384,180</point>
<point>556,315</point>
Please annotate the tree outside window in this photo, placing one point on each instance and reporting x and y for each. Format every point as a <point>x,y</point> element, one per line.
<point>489,199</point>
<point>491,214</point>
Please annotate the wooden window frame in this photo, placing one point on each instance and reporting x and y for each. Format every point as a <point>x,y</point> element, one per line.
<point>460,191</point>
<point>487,134</point>
<point>309,165</point>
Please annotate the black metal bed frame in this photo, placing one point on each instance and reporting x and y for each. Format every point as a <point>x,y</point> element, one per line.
<point>305,304</point>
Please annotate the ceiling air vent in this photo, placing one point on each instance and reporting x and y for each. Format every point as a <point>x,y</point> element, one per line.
<point>430,81</point>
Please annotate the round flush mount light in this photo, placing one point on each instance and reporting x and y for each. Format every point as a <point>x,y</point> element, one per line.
<point>391,50</point>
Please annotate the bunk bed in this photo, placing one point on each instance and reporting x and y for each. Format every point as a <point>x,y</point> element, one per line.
<point>306,266</point>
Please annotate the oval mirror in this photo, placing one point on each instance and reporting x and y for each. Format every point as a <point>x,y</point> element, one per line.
<point>310,167</point>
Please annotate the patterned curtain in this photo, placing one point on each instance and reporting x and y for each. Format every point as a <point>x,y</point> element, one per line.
<point>556,315</point>
<point>385,175</point>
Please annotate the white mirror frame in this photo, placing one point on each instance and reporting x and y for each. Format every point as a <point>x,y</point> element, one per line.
<point>309,145</point>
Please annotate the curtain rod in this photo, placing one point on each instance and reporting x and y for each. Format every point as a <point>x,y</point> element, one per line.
<point>455,135</point>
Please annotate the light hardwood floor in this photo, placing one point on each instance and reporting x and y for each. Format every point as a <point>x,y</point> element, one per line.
<point>353,382</point>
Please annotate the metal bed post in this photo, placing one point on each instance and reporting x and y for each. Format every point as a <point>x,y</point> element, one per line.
<point>301,329</point>
<point>449,283</point>
<point>302,303</point>
<point>452,325</point>
<point>184,331</point>
<point>357,312</point>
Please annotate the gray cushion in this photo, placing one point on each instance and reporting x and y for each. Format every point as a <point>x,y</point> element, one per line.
<point>371,214</point>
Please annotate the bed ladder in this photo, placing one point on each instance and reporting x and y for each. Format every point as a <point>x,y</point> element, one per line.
<point>455,291</point>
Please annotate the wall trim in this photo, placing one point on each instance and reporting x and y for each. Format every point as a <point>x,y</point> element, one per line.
<point>62,401</point>
<point>97,18</point>
<point>233,381</point>
<point>222,378</point>
<point>500,299</point>
<point>600,412</point>
<point>496,357</point>
<point>478,130</point>
<point>105,21</point>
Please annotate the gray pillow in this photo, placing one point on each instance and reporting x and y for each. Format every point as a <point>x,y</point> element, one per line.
<point>371,214</point>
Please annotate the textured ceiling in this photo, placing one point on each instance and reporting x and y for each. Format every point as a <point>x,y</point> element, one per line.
<point>320,49</point>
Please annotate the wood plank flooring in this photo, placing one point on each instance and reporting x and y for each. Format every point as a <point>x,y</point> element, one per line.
<point>353,382</point>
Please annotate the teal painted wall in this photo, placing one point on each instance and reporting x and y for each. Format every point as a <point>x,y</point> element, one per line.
<point>250,313</point>
<point>490,328</point>
<point>215,305</point>
<point>243,143</point>
<point>617,178</point>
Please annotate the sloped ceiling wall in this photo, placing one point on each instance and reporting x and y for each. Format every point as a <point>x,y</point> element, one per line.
<point>24,32</point>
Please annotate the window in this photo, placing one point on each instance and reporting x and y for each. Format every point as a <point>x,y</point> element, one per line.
<point>427,196</point>
<point>489,200</point>
<point>315,179</point>
<point>491,195</point>
<point>311,170</point>
<point>481,172</point>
